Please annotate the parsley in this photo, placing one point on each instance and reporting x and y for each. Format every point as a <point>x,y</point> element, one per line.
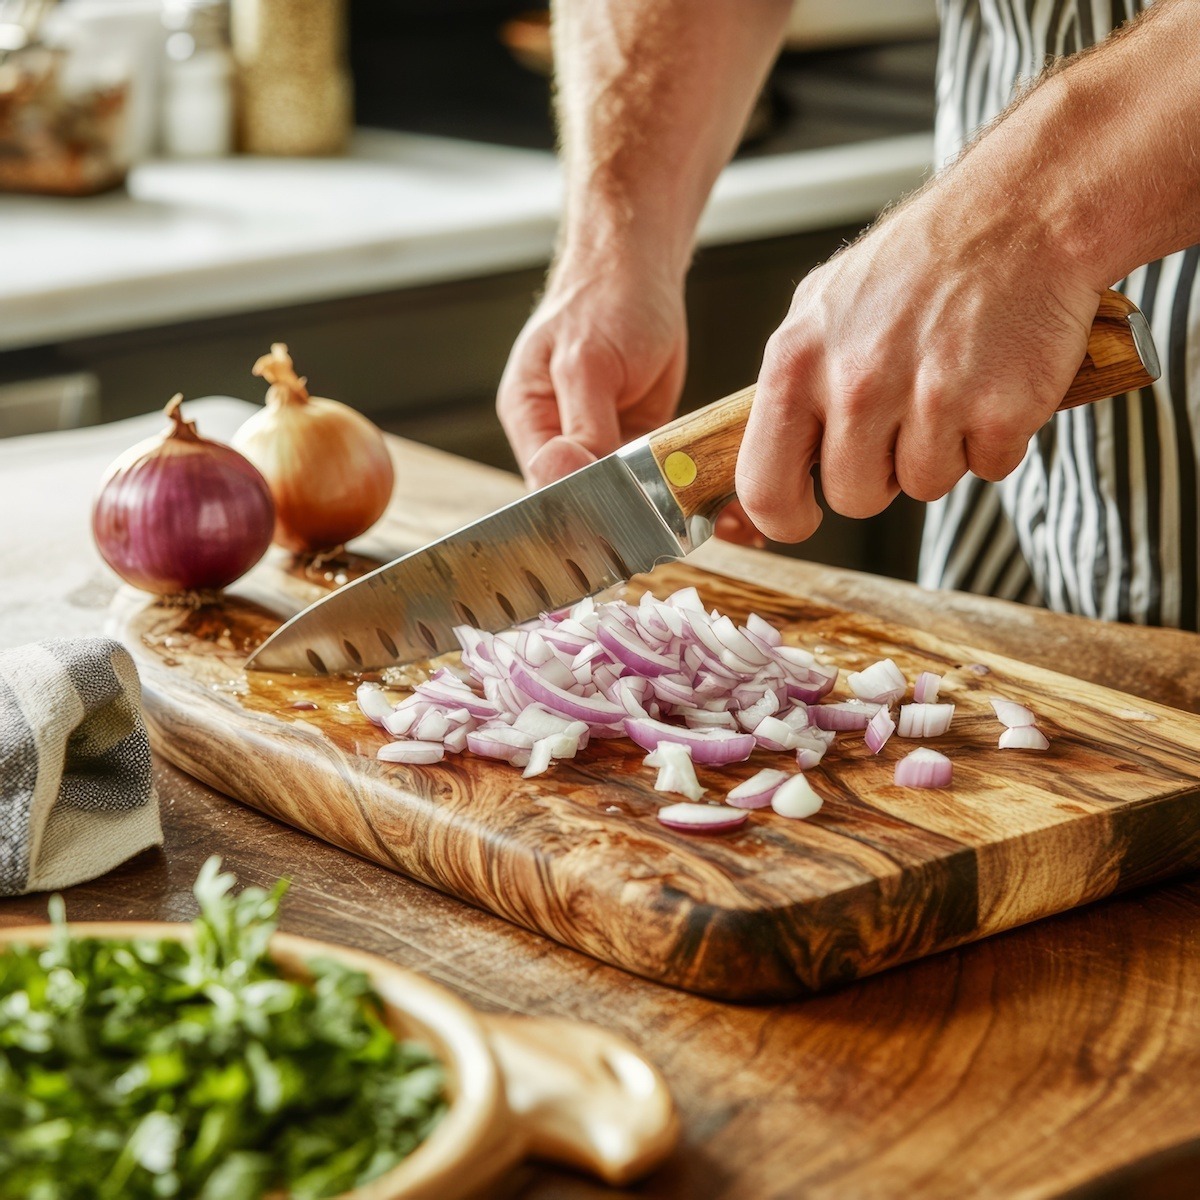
<point>147,1069</point>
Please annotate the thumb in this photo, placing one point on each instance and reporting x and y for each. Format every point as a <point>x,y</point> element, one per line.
<point>556,458</point>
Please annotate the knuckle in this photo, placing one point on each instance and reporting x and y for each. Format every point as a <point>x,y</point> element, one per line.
<point>996,444</point>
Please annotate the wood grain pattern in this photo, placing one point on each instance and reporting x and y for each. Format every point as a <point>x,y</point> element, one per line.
<point>780,908</point>
<point>711,436</point>
<point>1112,363</point>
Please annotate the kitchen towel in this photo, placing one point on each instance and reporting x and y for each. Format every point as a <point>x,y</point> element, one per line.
<point>76,786</point>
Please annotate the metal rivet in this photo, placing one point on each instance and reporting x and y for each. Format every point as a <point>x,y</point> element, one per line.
<point>680,469</point>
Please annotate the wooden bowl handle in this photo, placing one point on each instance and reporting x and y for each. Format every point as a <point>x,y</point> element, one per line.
<point>697,453</point>
<point>583,1096</point>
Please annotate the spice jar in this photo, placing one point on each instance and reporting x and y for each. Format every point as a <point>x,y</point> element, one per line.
<point>294,88</point>
<point>197,80</point>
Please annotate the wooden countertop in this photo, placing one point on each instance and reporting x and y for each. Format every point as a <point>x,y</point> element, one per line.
<point>1060,1058</point>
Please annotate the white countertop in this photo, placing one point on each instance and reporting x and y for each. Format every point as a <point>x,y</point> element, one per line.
<point>199,239</point>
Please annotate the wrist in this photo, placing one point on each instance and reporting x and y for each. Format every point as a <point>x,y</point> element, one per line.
<point>1023,200</point>
<point>628,259</point>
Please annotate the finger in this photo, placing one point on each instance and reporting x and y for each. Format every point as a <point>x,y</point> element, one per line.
<point>588,378</point>
<point>858,470</point>
<point>525,401</point>
<point>995,447</point>
<point>733,525</point>
<point>556,458</point>
<point>780,447</point>
<point>930,459</point>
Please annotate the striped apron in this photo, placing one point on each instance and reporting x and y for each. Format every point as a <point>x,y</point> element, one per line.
<point>1101,516</point>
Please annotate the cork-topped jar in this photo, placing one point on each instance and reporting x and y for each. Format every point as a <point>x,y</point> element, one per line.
<point>294,88</point>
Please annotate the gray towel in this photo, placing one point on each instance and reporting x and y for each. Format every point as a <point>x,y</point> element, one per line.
<point>76,786</point>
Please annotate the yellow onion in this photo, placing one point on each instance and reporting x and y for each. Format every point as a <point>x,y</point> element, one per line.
<point>178,513</point>
<point>327,465</point>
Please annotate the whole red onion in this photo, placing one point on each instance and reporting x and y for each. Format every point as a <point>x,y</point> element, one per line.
<point>179,513</point>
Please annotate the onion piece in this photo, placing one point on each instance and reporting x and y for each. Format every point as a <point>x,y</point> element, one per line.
<point>924,768</point>
<point>701,818</point>
<point>539,757</point>
<point>592,709</point>
<point>373,702</point>
<point>416,754</point>
<point>924,720</point>
<point>675,770</point>
<point>796,798</point>
<point>845,714</point>
<point>713,747</point>
<point>879,728</point>
<point>1011,714</point>
<point>1024,737</point>
<point>926,688</point>
<point>881,682</point>
<point>756,792</point>
<point>773,734</point>
<point>633,652</point>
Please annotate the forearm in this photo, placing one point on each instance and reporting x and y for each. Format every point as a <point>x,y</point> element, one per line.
<point>1100,164</point>
<point>652,96</point>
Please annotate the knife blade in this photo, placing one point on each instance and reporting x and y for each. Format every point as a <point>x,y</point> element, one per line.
<point>651,502</point>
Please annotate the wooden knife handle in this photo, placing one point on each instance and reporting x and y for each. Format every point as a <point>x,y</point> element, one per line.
<point>697,452</point>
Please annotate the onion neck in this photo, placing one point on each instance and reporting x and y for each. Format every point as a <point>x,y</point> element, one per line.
<point>179,428</point>
<point>277,369</point>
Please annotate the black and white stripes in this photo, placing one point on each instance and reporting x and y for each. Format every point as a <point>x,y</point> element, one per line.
<point>1101,517</point>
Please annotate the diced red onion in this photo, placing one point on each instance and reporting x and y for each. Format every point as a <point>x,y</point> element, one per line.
<point>846,714</point>
<point>879,728</point>
<point>704,718</point>
<point>796,798</point>
<point>773,734</point>
<point>539,757</point>
<point>593,709</point>
<point>714,747</point>
<point>808,757</point>
<point>373,702</point>
<point>763,630</point>
<point>924,768</point>
<point>881,682</point>
<point>926,688</point>
<point>756,792</point>
<point>924,720</point>
<point>632,652</point>
<point>501,742</point>
<point>416,754</point>
<point>1024,737</point>
<point>701,818</point>
<point>675,770</point>
<point>1011,714</point>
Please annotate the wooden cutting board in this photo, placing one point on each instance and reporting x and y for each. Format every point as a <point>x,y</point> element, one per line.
<point>777,909</point>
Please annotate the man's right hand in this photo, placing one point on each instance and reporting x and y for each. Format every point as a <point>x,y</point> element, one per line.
<point>599,363</point>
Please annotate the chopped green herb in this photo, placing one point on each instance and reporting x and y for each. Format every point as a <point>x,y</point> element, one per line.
<point>152,1069</point>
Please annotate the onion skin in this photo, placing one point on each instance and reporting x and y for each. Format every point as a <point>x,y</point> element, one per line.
<point>327,465</point>
<point>179,513</point>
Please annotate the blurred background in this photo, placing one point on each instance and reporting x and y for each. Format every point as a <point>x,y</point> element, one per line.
<point>183,182</point>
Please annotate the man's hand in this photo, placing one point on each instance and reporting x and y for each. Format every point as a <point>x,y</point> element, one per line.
<point>931,347</point>
<point>599,363</point>
<point>945,338</point>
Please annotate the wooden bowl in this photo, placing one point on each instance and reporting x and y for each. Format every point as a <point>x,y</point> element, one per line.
<point>519,1087</point>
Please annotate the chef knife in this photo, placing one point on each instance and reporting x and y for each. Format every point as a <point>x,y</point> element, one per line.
<point>653,501</point>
